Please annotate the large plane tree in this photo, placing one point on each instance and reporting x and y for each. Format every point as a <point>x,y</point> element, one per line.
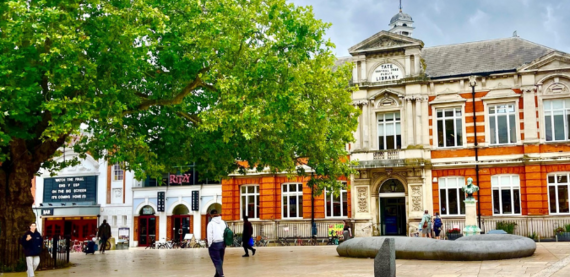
<point>159,83</point>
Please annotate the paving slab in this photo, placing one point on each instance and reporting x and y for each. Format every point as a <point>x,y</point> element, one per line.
<point>548,260</point>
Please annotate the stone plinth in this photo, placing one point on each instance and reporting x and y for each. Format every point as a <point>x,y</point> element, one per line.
<point>385,260</point>
<point>471,227</point>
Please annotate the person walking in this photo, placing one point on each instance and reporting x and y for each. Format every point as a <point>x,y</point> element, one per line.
<point>246,236</point>
<point>216,245</point>
<point>437,224</point>
<point>104,233</point>
<point>32,242</point>
<point>346,231</point>
<point>425,224</point>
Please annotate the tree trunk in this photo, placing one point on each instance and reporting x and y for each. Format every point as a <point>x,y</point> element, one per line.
<point>16,198</point>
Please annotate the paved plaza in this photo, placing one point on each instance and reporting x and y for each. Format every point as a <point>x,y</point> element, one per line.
<point>550,259</point>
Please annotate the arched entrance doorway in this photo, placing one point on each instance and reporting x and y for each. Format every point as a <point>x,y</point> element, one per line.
<point>181,222</point>
<point>392,197</point>
<point>206,218</point>
<point>147,226</point>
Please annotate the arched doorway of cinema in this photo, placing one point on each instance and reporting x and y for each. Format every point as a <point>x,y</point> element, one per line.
<point>181,222</point>
<point>147,226</point>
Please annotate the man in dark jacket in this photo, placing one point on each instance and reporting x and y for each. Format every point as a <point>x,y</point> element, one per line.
<point>104,234</point>
<point>32,242</point>
<point>246,236</point>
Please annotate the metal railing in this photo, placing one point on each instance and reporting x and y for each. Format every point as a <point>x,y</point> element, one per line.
<point>55,254</point>
<point>525,226</point>
<point>272,230</point>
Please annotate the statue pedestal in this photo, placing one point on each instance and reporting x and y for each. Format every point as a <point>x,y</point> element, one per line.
<point>471,227</point>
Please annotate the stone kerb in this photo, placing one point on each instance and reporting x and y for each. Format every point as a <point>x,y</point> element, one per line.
<point>472,248</point>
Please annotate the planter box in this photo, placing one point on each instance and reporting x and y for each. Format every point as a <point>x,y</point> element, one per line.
<point>564,236</point>
<point>454,236</point>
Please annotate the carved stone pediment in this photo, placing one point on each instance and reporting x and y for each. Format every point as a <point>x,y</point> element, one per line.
<point>386,99</point>
<point>551,61</point>
<point>501,94</point>
<point>384,40</point>
<point>447,96</point>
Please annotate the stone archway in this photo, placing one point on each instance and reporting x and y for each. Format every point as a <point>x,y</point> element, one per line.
<point>392,208</point>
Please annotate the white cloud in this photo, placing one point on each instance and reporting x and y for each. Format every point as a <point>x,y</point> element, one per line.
<point>478,17</point>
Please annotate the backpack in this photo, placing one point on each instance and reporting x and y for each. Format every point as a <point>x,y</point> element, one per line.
<point>437,223</point>
<point>228,236</point>
<point>426,220</point>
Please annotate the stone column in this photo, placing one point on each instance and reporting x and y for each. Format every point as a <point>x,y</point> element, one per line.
<point>357,137</point>
<point>409,123</point>
<point>365,127</point>
<point>363,70</point>
<point>355,73</point>
<point>530,129</point>
<point>418,122</point>
<point>425,120</point>
<point>418,64</point>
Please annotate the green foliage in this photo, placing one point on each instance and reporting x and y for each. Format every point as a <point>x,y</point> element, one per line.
<point>559,230</point>
<point>567,227</point>
<point>533,236</point>
<point>20,266</point>
<point>162,83</point>
<point>506,226</point>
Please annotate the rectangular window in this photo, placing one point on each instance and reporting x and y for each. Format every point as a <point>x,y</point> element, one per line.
<point>502,124</point>
<point>292,204</point>
<point>558,187</point>
<point>118,173</point>
<point>114,221</point>
<point>450,196</point>
<point>449,127</point>
<point>249,203</point>
<point>125,220</point>
<point>336,206</point>
<point>556,119</point>
<point>506,194</point>
<point>389,131</point>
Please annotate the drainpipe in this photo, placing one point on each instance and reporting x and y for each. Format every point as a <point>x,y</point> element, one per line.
<point>312,207</point>
<point>473,83</point>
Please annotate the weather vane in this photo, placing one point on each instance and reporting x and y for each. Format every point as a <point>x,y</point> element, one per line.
<point>400,5</point>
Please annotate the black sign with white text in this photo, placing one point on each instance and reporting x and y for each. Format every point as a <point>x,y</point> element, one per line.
<point>195,200</point>
<point>47,211</point>
<point>160,197</point>
<point>70,189</point>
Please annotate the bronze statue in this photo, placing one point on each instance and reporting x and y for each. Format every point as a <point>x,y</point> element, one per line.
<point>469,189</point>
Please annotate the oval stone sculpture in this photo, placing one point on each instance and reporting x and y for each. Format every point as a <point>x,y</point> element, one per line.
<point>471,248</point>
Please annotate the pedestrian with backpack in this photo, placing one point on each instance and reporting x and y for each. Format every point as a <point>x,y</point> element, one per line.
<point>426,224</point>
<point>216,233</point>
<point>437,224</point>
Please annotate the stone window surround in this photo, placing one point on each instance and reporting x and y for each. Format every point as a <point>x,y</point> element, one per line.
<point>556,184</point>
<point>541,95</point>
<point>344,214</point>
<point>447,198</point>
<point>298,194</point>
<point>492,102</point>
<point>255,194</point>
<point>395,122</point>
<point>434,108</point>
<point>511,188</point>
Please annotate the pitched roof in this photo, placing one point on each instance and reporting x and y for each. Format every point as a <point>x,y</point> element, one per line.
<point>487,56</point>
<point>340,61</point>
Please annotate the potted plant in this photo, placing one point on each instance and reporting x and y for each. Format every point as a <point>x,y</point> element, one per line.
<point>563,233</point>
<point>453,234</point>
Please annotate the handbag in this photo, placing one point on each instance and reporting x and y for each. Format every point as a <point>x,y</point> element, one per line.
<point>250,241</point>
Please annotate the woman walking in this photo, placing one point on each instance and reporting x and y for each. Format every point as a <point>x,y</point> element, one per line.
<point>437,225</point>
<point>246,236</point>
<point>32,242</point>
<point>347,231</point>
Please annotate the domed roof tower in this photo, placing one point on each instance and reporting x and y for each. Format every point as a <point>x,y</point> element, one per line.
<point>402,23</point>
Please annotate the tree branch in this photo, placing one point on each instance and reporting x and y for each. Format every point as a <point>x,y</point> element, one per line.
<point>193,118</point>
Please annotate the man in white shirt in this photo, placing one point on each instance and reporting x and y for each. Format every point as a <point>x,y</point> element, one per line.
<point>217,247</point>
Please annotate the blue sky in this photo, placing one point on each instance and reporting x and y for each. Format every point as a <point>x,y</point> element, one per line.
<point>440,22</point>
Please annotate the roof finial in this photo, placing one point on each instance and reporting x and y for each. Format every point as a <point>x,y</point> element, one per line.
<point>400,5</point>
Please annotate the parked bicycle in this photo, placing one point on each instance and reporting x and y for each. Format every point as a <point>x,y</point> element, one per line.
<point>260,241</point>
<point>152,244</point>
<point>283,241</point>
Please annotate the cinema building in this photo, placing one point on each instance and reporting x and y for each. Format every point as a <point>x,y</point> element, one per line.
<point>76,201</point>
<point>170,208</point>
<point>497,111</point>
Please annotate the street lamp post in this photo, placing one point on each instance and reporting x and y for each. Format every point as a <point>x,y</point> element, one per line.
<point>473,83</point>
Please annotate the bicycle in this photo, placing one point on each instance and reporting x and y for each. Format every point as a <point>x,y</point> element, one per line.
<point>312,241</point>
<point>283,241</point>
<point>237,241</point>
<point>200,244</point>
<point>152,244</point>
<point>260,241</point>
<point>299,241</point>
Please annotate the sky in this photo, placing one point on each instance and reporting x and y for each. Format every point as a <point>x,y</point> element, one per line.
<point>441,22</point>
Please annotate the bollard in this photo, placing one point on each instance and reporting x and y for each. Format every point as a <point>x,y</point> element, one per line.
<point>385,261</point>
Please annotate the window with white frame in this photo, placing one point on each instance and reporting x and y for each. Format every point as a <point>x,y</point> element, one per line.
<point>250,201</point>
<point>506,194</point>
<point>502,124</point>
<point>449,127</point>
<point>118,173</point>
<point>389,131</point>
<point>336,205</point>
<point>292,200</point>
<point>450,196</point>
<point>558,187</point>
<point>556,119</point>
